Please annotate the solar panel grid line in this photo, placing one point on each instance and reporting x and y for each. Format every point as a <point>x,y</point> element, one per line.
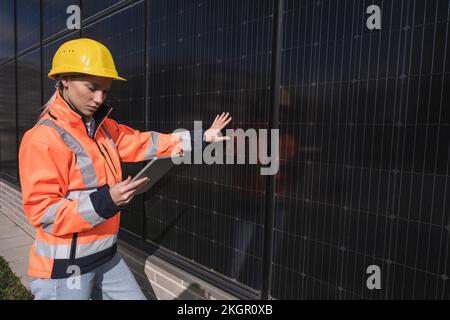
<point>399,50</point>
<point>368,213</point>
<point>344,174</point>
<point>257,33</point>
<point>375,258</point>
<point>414,152</point>
<point>316,280</point>
<point>351,151</point>
<point>243,39</point>
<point>365,115</point>
<point>329,135</point>
<point>445,274</point>
<point>310,136</point>
<point>371,165</point>
<point>322,113</point>
<point>315,76</point>
<point>292,210</point>
<point>425,151</point>
<point>448,159</point>
<point>300,250</point>
<point>252,229</point>
<point>326,174</point>
<point>403,282</point>
<point>282,225</point>
<point>367,222</point>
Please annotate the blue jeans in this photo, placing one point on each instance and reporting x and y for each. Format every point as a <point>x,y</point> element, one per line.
<point>111,281</point>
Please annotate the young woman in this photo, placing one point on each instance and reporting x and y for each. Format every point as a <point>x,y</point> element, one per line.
<point>71,179</point>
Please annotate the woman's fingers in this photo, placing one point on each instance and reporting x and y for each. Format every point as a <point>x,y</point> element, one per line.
<point>223,125</point>
<point>220,120</point>
<point>219,139</point>
<point>134,185</point>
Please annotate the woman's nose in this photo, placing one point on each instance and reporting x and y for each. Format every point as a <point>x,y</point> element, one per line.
<point>99,97</point>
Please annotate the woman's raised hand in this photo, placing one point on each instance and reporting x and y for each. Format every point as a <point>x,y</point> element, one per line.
<point>221,121</point>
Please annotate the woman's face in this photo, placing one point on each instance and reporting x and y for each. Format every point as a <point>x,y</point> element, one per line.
<point>86,93</point>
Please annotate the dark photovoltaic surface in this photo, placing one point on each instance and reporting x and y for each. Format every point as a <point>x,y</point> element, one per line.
<point>54,16</point>
<point>123,34</point>
<point>7,27</point>
<point>29,89</point>
<point>364,134</point>
<point>89,7</point>
<point>28,23</point>
<point>8,143</point>
<point>205,58</point>
<point>367,122</point>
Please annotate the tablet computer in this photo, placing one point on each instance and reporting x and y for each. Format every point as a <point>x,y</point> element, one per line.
<point>154,170</point>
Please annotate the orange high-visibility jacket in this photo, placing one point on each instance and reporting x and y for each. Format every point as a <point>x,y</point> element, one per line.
<point>65,177</point>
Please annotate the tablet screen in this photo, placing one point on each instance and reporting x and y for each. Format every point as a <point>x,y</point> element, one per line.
<point>154,170</point>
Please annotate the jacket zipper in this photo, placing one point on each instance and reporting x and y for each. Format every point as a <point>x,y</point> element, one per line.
<point>99,149</point>
<point>109,166</point>
<point>73,249</point>
<point>112,162</point>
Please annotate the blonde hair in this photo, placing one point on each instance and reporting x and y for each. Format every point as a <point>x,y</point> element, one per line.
<point>46,107</point>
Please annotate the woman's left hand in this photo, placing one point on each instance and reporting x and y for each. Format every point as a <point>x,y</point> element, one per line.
<point>221,121</point>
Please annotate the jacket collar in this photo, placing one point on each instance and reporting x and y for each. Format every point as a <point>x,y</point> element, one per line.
<point>63,111</point>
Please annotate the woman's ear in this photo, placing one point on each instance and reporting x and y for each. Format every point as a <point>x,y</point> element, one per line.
<point>65,82</point>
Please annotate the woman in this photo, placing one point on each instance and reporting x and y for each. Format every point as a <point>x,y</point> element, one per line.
<point>71,179</point>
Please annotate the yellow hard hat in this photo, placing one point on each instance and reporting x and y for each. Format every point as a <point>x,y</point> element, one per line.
<point>85,56</point>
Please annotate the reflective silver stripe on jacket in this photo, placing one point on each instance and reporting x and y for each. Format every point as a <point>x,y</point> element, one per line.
<point>85,208</point>
<point>153,146</point>
<point>84,162</point>
<point>48,219</point>
<point>62,251</point>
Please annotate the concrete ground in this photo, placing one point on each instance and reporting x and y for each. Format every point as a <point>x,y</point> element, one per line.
<point>14,247</point>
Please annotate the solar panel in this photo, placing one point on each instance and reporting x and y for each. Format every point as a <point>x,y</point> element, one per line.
<point>55,16</point>
<point>28,23</point>
<point>205,58</point>
<point>29,89</point>
<point>365,156</point>
<point>90,8</point>
<point>8,145</point>
<point>123,34</point>
<point>7,27</point>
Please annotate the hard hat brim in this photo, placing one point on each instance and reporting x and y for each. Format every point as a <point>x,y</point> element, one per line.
<point>54,73</point>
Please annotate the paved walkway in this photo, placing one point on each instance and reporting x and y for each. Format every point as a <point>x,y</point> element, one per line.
<point>14,247</point>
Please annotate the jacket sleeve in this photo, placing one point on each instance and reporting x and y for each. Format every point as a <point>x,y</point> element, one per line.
<point>135,146</point>
<point>44,175</point>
